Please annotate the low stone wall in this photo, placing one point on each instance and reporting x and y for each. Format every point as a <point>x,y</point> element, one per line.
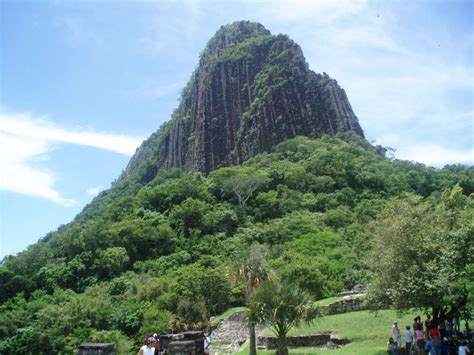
<point>318,340</point>
<point>296,341</point>
<point>186,343</point>
<point>96,349</point>
<point>349,304</point>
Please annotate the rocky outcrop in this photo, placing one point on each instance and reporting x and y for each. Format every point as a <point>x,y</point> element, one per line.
<point>230,334</point>
<point>250,91</point>
<point>234,328</point>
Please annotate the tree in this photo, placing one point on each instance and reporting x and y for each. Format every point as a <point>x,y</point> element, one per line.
<point>253,272</point>
<point>111,261</point>
<point>423,253</point>
<point>197,283</point>
<point>243,186</point>
<point>190,315</point>
<point>252,269</point>
<point>282,306</point>
<point>188,215</point>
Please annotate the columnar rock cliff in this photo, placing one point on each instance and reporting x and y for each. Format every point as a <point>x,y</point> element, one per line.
<point>250,91</point>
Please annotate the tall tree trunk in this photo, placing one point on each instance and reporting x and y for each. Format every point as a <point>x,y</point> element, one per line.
<point>253,345</point>
<point>282,345</point>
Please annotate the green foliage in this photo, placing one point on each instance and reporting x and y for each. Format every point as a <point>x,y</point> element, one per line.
<point>123,345</point>
<point>191,315</point>
<point>156,321</point>
<point>187,216</point>
<point>282,306</point>
<point>423,253</point>
<point>163,264</point>
<point>174,191</point>
<point>244,186</point>
<point>111,261</point>
<point>250,267</point>
<point>312,211</point>
<point>209,285</point>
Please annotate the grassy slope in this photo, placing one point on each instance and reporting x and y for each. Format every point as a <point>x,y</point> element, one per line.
<point>368,332</point>
<point>226,314</point>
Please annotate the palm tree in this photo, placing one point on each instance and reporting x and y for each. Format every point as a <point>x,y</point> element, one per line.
<point>282,306</point>
<point>253,272</point>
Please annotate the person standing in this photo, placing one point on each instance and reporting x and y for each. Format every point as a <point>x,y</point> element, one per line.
<point>408,339</point>
<point>435,337</point>
<point>463,349</point>
<point>427,323</point>
<point>467,331</point>
<point>397,337</point>
<point>448,327</point>
<point>456,323</point>
<point>148,348</point>
<point>207,342</point>
<point>420,339</point>
<point>157,343</point>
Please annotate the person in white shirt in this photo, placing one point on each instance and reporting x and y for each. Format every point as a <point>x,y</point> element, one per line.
<point>148,348</point>
<point>463,349</point>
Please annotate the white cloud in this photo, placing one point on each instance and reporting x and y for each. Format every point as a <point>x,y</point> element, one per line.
<point>40,128</point>
<point>17,173</point>
<point>26,142</point>
<point>95,190</point>
<point>322,11</point>
<point>436,155</point>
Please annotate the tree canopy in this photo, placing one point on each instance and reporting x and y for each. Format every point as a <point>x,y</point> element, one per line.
<point>317,208</point>
<point>423,254</point>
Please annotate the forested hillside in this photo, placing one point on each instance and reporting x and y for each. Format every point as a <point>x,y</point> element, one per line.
<point>165,255</point>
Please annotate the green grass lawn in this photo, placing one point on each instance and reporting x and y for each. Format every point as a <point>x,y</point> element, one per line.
<point>368,332</point>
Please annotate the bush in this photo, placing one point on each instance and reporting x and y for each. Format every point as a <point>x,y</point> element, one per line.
<point>155,321</point>
<point>190,315</point>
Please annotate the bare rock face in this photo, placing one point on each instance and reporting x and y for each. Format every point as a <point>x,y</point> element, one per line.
<point>250,91</point>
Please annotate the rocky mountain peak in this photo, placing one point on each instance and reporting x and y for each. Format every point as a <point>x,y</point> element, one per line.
<point>250,91</point>
<point>232,34</point>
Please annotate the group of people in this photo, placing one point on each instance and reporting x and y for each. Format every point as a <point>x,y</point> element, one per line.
<point>151,345</point>
<point>431,337</point>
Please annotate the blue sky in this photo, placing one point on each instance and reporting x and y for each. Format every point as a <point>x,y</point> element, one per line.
<point>83,82</point>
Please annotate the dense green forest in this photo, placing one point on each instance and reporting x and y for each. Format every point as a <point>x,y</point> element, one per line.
<point>165,255</point>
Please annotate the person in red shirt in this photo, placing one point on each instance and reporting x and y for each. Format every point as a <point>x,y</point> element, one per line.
<point>435,336</point>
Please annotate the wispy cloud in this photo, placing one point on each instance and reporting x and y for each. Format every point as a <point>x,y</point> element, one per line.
<point>27,141</point>
<point>76,31</point>
<point>322,11</point>
<point>42,129</point>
